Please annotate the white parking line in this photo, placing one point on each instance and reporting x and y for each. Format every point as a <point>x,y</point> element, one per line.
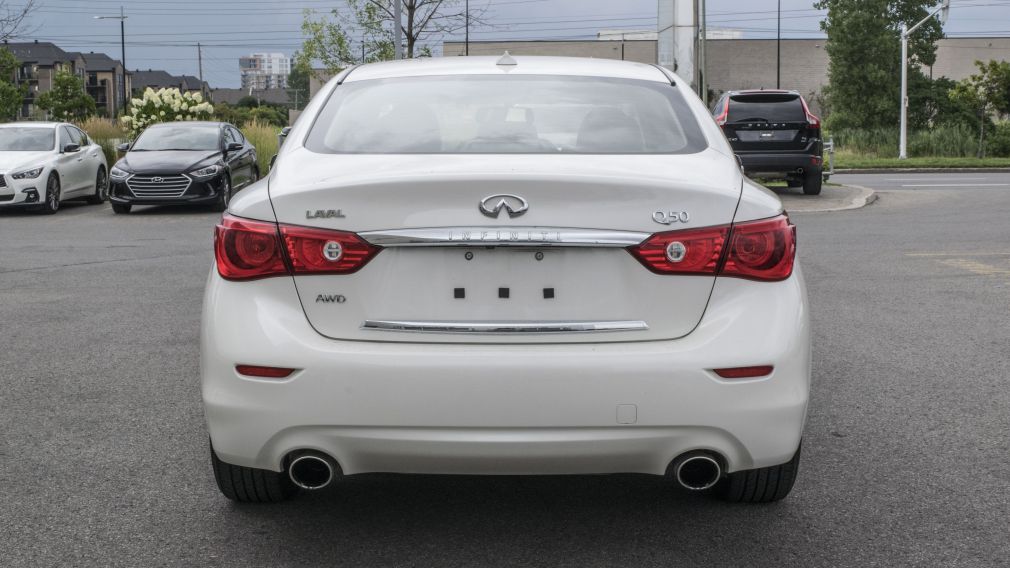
<point>933,178</point>
<point>957,185</point>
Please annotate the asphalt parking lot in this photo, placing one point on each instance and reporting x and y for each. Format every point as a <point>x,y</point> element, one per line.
<point>906,459</point>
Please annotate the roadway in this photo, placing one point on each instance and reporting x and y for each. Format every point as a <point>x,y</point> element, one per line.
<point>906,460</point>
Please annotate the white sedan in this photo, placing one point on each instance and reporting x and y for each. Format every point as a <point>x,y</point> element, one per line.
<point>45,163</point>
<point>506,266</point>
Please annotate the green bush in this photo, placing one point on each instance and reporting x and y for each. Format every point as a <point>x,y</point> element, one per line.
<point>264,137</point>
<point>955,141</point>
<point>998,141</point>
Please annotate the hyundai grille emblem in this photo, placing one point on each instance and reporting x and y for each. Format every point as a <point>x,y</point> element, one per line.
<point>512,204</point>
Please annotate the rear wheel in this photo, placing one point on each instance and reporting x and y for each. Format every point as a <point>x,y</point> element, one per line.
<point>121,208</point>
<point>101,188</point>
<point>812,183</point>
<point>250,485</point>
<point>52,203</point>
<point>762,485</point>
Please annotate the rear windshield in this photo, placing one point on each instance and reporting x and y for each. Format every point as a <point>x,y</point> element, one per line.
<point>477,114</point>
<point>766,108</point>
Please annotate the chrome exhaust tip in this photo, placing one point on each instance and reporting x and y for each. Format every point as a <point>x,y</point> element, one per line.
<point>696,471</point>
<point>312,470</point>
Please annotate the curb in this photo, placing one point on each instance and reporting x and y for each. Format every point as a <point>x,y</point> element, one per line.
<point>865,197</point>
<point>921,171</point>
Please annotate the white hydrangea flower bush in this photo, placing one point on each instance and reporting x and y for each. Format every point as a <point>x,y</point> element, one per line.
<point>165,105</point>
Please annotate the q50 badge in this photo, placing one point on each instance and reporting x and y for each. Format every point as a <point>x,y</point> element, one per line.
<point>671,217</point>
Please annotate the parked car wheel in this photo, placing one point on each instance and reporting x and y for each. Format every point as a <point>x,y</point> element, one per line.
<point>250,485</point>
<point>52,203</point>
<point>101,188</point>
<point>761,485</point>
<point>121,209</point>
<point>225,196</point>
<point>812,183</point>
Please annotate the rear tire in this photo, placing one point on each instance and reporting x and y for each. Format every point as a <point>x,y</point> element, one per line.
<point>101,188</point>
<point>812,183</point>
<point>121,208</point>
<point>762,485</point>
<point>250,485</point>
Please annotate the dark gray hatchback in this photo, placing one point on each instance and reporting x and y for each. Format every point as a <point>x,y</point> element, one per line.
<point>775,135</point>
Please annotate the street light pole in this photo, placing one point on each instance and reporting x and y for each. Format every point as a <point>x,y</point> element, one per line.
<point>122,44</point>
<point>778,49</point>
<point>466,43</point>
<point>906,31</point>
<point>397,29</point>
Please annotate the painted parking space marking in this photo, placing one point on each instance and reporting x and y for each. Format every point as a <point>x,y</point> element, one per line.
<point>957,185</point>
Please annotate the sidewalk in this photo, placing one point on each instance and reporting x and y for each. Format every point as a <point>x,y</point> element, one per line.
<point>832,198</point>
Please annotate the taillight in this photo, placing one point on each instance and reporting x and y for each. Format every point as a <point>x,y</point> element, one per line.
<point>247,250</point>
<point>691,251</point>
<point>321,251</point>
<point>811,119</point>
<point>724,115</point>
<point>761,250</point>
<point>757,250</point>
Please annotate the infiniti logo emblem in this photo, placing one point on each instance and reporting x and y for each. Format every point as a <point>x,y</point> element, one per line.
<point>514,205</point>
<point>157,179</point>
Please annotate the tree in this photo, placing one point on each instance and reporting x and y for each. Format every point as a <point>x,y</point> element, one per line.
<point>333,44</point>
<point>67,100</point>
<point>14,17</point>
<point>298,82</point>
<point>985,93</point>
<point>12,95</point>
<point>864,44</point>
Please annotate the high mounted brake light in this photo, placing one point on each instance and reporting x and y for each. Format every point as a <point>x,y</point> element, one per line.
<point>249,250</point>
<point>756,250</point>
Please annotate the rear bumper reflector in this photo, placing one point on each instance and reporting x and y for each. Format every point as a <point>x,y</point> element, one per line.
<point>505,327</point>
<point>265,372</point>
<point>745,372</point>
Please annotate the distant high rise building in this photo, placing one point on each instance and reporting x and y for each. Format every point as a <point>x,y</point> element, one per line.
<point>261,71</point>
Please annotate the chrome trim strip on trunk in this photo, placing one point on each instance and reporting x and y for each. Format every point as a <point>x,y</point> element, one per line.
<point>504,327</point>
<point>503,237</point>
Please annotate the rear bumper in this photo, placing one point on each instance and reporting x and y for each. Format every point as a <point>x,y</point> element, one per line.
<point>495,409</point>
<point>780,163</point>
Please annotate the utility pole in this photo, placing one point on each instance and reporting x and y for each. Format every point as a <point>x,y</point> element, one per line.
<point>778,49</point>
<point>397,29</point>
<point>944,11</point>
<point>199,60</point>
<point>122,44</point>
<point>466,43</point>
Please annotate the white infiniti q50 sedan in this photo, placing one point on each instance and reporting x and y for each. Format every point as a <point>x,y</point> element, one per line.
<point>505,266</point>
<point>43,164</point>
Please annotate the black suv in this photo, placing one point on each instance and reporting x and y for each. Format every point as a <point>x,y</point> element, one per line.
<point>774,135</point>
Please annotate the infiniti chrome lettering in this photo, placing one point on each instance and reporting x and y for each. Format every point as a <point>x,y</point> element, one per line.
<point>506,236</point>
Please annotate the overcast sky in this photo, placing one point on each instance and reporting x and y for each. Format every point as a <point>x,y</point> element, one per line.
<point>164,33</point>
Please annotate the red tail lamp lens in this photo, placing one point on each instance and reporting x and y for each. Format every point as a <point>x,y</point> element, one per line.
<point>693,251</point>
<point>321,251</point>
<point>762,250</point>
<point>247,249</point>
<point>745,372</point>
<point>264,372</point>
